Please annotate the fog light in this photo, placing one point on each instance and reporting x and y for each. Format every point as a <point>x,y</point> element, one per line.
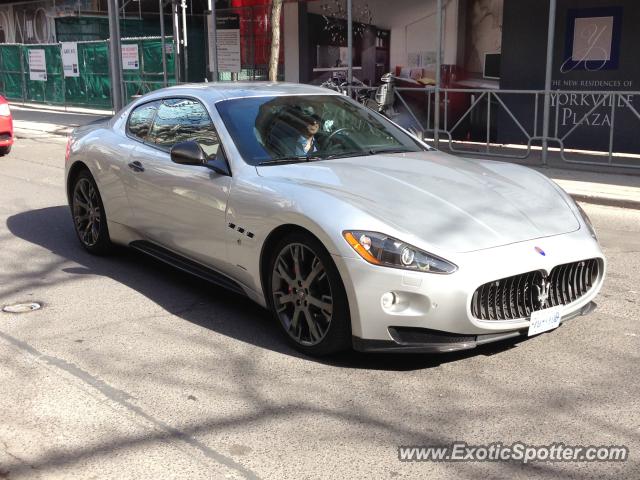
<point>388,300</point>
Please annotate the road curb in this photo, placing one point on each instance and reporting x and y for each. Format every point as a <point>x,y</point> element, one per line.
<point>58,109</point>
<point>33,134</point>
<point>607,201</point>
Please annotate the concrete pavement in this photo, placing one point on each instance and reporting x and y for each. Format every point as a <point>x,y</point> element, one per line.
<point>593,187</point>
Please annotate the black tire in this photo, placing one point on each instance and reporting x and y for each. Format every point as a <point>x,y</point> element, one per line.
<point>89,218</point>
<point>304,295</point>
<point>5,151</point>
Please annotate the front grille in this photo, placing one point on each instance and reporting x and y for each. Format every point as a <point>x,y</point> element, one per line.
<point>516,297</point>
<point>5,136</point>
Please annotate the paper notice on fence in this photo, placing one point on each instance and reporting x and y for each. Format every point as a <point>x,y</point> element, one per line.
<point>70,59</point>
<point>228,43</point>
<point>130,58</point>
<point>37,65</point>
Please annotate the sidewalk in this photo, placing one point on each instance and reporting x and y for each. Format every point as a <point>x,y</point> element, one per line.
<point>34,121</point>
<point>594,187</point>
<point>614,189</point>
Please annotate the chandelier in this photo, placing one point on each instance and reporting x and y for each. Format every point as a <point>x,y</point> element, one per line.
<point>333,9</point>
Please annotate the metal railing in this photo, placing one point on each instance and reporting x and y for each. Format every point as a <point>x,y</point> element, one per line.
<point>509,123</point>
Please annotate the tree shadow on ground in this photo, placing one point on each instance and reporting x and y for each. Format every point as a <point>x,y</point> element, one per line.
<point>191,298</point>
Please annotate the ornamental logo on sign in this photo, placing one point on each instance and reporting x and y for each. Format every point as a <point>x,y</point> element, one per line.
<point>593,39</point>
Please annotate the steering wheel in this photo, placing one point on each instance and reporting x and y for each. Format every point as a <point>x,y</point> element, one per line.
<point>333,135</point>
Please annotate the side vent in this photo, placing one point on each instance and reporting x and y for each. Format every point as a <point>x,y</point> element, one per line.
<point>241,230</point>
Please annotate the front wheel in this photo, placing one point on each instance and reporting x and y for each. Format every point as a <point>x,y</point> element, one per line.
<point>89,218</point>
<point>307,296</point>
<point>5,151</point>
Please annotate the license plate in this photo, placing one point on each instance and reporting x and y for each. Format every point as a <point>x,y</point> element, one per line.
<point>544,320</point>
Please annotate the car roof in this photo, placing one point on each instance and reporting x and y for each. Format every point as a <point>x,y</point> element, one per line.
<point>218,91</point>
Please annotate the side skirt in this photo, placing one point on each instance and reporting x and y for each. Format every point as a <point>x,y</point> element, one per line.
<point>186,265</point>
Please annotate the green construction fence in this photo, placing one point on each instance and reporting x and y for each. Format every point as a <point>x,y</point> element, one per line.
<point>92,88</point>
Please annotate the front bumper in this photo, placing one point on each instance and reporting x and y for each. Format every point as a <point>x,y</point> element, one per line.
<point>6,131</point>
<point>442,303</point>
<point>431,341</point>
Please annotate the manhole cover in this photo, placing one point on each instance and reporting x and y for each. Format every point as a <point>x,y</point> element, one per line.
<point>22,307</point>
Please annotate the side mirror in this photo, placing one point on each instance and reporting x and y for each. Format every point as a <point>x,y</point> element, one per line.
<point>219,165</point>
<point>188,153</point>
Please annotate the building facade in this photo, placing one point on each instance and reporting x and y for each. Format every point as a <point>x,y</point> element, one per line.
<point>487,45</point>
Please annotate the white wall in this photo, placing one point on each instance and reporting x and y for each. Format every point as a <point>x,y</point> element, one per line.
<point>414,28</point>
<point>412,24</point>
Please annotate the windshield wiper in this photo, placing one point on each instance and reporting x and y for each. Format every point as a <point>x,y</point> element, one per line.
<point>376,151</point>
<point>316,157</point>
<point>290,159</point>
<point>344,155</point>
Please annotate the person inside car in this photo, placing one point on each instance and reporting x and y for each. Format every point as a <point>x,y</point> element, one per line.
<point>306,142</point>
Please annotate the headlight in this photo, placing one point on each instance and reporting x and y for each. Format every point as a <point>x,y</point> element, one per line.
<point>4,110</point>
<point>587,220</point>
<point>380,249</point>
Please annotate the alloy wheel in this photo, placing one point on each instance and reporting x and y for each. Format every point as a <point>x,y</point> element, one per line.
<point>302,295</point>
<point>87,214</point>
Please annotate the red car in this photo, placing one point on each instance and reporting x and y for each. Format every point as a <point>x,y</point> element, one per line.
<point>6,127</point>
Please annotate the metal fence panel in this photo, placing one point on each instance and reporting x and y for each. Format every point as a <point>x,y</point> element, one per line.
<point>149,75</point>
<point>11,71</point>
<point>52,89</point>
<point>93,85</point>
<point>255,47</point>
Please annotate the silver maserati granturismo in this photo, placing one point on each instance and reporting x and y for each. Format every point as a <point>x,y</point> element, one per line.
<point>352,231</point>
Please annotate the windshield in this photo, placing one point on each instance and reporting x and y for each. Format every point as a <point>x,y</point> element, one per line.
<point>268,130</point>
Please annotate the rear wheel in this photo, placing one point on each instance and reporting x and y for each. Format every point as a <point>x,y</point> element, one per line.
<point>89,218</point>
<point>307,296</point>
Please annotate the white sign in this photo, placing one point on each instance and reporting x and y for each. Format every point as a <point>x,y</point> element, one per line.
<point>130,58</point>
<point>37,65</point>
<point>228,50</point>
<point>228,43</point>
<point>70,59</point>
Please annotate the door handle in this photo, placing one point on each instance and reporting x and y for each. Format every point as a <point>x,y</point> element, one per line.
<point>136,166</point>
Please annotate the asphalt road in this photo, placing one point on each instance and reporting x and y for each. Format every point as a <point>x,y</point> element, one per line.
<point>134,370</point>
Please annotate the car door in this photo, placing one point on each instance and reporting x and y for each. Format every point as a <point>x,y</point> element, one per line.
<point>180,207</point>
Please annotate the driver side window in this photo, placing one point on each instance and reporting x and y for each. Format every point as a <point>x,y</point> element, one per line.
<point>181,119</point>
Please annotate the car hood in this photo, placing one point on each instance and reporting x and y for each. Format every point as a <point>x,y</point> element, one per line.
<point>454,204</point>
